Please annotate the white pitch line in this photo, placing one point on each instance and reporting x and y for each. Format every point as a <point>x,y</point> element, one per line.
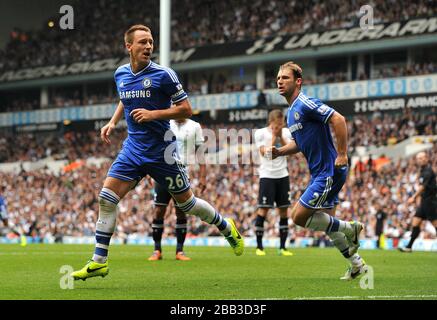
<point>24,252</point>
<point>18,253</point>
<point>368,297</point>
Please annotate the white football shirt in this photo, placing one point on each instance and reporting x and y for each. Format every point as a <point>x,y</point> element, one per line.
<point>276,168</point>
<point>188,136</point>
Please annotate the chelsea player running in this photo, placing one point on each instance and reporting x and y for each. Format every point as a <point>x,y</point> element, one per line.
<point>150,95</point>
<point>308,120</point>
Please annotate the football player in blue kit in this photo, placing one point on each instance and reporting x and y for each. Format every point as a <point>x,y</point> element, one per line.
<point>4,218</point>
<point>150,95</point>
<point>308,120</point>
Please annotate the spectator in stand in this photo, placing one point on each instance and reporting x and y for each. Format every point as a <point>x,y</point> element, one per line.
<point>363,132</point>
<point>209,22</point>
<point>56,201</point>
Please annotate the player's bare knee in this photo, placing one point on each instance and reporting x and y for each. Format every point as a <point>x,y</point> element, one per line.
<point>416,222</point>
<point>300,220</point>
<point>183,197</point>
<point>262,212</point>
<point>119,187</point>
<point>293,214</point>
<point>180,214</point>
<point>159,212</point>
<point>283,212</point>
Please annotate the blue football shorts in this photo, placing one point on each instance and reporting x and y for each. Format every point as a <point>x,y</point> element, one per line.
<point>172,176</point>
<point>322,192</point>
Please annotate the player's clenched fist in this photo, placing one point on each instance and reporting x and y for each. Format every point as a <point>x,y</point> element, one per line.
<point>271,153</point>
<point>341,161</point>
<point>106,131</point>
<point>142,115</point>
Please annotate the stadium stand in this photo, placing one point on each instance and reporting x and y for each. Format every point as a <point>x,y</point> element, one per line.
<point>378,129</point>
<point>219,84</point>
<point>56,201</point>
<point>221,22</point>
<point>59,199</point>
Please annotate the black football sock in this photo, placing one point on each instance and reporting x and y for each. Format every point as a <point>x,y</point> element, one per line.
<point>181,233</point>
<point>158,229</point>
<point>259,231</point>
<point>283,231</point>
<point>414,234</point>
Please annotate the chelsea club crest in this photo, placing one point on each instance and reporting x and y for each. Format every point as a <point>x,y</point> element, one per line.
<point>296,116</point>
<point>147,83</point>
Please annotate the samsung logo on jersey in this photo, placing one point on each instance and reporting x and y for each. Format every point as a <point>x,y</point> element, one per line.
<point>295,127</point>
<point>134,94</point>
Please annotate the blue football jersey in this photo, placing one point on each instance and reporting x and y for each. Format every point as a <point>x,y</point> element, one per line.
<point>307,119</point>
<point>153,88</point>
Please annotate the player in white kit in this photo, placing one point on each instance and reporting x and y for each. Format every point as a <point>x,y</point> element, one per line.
<point>189,137</point>
<point>274,182</point>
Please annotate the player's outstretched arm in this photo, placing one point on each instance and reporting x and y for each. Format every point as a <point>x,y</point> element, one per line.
<point>107,129</point>
<point>338,123</point>
<point>179,110</point>
<point>289,149</point>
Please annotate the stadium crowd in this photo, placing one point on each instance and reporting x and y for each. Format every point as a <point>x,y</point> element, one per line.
<point>70,146</point>
<point>382,129</point>
<point>378,129</point>
<point>48,205</point>
<point>208,85</point>
<point>377,73</point>
<point>67,204</point>
<point>195,23</point>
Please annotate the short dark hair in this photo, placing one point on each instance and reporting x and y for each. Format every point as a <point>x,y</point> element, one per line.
<point>128,34</point>
<point>297,70</point>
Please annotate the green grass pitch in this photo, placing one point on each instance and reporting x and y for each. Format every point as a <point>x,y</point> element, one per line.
<point>33,272</point>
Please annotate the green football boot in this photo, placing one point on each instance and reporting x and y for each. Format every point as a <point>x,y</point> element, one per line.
<point>235,239</point>
<point>91,269</point>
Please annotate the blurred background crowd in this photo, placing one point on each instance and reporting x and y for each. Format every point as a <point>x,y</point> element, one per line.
<point>194,23</point>
<point>45,204</point>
